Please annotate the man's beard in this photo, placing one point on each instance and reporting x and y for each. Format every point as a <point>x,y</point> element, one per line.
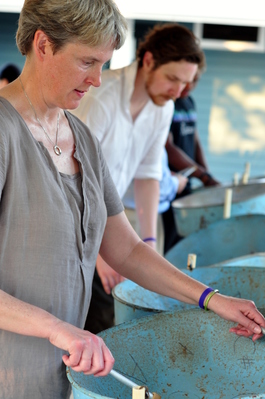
<point>157,99</point>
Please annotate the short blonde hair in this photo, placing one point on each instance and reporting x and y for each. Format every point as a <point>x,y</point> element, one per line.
<point>91,22</point>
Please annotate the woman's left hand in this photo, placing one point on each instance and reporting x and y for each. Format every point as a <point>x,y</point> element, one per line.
<point>241,311</point>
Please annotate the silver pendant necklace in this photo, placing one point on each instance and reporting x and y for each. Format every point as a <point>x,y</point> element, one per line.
<point>55,146</point>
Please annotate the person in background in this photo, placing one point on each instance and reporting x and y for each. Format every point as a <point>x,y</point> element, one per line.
<point>8,73</point>
<point>171,185</point>
<point>183,143</point>
<point>184,150</point>
<point>131,113</point>
<point>59,208</point>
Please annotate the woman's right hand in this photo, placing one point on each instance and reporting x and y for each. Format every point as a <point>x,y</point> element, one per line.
<point>87,352</point>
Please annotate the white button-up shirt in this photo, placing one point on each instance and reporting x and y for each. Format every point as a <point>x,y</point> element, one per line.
<point>133,149</point>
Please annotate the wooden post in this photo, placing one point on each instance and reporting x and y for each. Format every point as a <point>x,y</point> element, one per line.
<point>247,168</point>
<point>191,264</point>
<point>227,203</point>
<point>245,178</point>
<point>236,179</point>
<point>246,173</point>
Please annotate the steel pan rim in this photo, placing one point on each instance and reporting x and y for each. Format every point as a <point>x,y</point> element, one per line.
<point>180,203</point>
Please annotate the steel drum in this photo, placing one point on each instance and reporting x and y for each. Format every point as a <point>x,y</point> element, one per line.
<point>188,354</point>
<point>257,260</point>
<point>132,301</point>
<point>221,241</point>
<point>197,211</point>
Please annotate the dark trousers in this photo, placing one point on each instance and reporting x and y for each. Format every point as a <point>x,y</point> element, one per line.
<point>101,311</point>
<point>170,230</point>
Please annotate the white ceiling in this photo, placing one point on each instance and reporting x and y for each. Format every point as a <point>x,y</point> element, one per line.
<point>235,12</point>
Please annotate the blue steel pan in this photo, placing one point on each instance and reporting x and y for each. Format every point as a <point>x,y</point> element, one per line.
<point>132,301</point>
<point>221,241</point>
<point>198,210</point>
<point>188,354</point>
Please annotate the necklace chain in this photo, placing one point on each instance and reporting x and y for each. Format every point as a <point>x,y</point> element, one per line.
<point>55,147</point>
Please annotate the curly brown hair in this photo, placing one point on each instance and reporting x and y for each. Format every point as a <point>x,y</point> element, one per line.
<point>171,42</point>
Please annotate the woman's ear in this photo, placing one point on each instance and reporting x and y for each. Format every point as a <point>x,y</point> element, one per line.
<point>41,44</point>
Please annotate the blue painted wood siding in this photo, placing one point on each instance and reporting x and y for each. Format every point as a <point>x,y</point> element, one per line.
<point>230,100</point>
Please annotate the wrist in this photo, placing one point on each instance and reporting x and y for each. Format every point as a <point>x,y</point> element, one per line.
<point>205,297</point>
<point>147,239</point>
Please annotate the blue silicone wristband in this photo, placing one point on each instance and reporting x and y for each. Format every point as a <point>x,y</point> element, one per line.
<point>149,239</point>
<point>203,296</point>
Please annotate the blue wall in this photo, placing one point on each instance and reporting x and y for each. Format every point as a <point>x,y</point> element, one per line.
<point>230,100</point>
<point>8,49</point>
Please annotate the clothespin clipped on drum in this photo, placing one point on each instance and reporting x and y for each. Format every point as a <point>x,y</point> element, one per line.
<point>191,264</point>
<point>236,179</point>
<point>246,174</point>
<point>138,393</point>
<point>227,203</point>
<point>141,393</point>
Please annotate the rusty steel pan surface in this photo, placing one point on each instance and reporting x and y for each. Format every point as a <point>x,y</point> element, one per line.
<point>132,301</point>
<point>221,241</point>
<point>187,354</point>
<point>196,211</point>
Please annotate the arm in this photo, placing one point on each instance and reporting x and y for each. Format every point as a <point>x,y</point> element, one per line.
<point>87,352</point>
<point>146,193</point>
<point>135,260</point>
<point>146,200</point>
<point>180,160</point>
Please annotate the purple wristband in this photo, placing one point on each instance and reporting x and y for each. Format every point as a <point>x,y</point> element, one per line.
<point>149,239</point>
<point>203,296</point>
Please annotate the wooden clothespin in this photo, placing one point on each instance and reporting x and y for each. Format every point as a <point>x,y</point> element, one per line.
<point>138,393</point>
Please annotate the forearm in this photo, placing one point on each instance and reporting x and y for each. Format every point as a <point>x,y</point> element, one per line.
<point>148,269</point>
<point>146,194</point>
<point>179,160</point>
<point>138,262</point>
<point>85,352</point>
<point>123,250</point>
<point>23,318</point>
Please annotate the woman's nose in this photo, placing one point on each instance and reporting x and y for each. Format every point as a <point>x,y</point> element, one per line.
<point>94,78</point>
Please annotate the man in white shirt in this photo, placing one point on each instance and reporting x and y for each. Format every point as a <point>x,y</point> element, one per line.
<point>131,113</point>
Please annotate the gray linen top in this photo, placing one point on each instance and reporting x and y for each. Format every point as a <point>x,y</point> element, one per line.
<point>49,241</point>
